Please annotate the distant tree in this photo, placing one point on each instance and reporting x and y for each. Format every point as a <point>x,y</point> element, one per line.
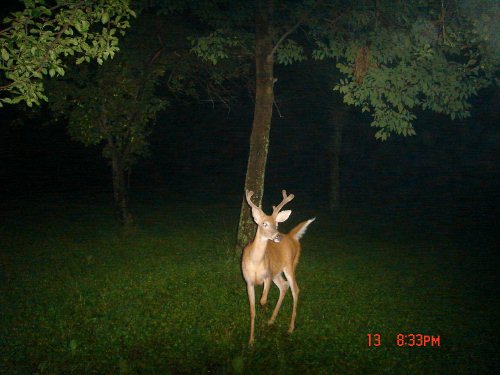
<point>39,40</point>
<point>116,105</point>
<point>337,118</point>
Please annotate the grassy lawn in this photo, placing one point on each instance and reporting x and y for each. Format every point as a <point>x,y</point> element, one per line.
<point>77,295</point>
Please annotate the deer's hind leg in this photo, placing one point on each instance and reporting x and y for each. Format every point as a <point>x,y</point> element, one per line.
<point>290,276</point>
<point>265,292</point>
<point>282,284</point>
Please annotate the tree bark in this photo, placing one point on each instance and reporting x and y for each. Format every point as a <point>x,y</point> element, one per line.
<point>120,188</point>
<point>259,139</point>
<point>335,149</point>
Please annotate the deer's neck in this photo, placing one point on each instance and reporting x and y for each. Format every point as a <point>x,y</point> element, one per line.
<point>259,247</point>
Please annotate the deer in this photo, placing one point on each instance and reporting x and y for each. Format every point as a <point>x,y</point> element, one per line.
<point>270,255</point>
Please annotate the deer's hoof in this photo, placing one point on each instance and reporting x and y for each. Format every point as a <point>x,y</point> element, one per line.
<point>270,321</point>
<point>291,329</point>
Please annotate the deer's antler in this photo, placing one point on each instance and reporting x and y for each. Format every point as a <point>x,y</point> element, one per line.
<point>286,199</point>
<point>249,195</point>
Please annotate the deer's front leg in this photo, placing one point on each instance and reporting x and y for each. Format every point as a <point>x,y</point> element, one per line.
<point>251,300</point>
<point>265,292</point>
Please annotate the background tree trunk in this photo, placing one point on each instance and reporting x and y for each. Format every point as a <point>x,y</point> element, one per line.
<point>337,118</point>
<point>120,189</point>
<point>259,140</point>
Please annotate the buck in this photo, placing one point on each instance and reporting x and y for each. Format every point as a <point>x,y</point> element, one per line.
<point>270,255</point>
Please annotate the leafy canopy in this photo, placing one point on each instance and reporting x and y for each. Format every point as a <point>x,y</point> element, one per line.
<point>39,40</point>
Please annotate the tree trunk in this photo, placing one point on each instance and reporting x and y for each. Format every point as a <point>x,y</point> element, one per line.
<point>120,189</point>
<point>335,148</point>
<point>259,140</point>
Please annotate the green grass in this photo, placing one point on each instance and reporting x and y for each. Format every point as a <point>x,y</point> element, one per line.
<point>77,295</point>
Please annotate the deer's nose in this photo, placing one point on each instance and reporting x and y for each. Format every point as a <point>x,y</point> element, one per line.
<point>277,238</point>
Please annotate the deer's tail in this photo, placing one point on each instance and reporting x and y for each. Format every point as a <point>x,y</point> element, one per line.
<point>301,229</point>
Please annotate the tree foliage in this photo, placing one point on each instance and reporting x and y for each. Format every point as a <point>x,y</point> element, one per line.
<point>396,57</point>
<point>39,40</point>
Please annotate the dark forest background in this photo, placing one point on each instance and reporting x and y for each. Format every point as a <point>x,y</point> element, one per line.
<point>200,148</point>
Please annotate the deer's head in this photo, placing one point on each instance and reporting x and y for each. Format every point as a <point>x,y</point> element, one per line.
<point>268,224</point>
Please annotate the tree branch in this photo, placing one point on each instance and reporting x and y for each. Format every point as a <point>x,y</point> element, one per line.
<point>301,20</point>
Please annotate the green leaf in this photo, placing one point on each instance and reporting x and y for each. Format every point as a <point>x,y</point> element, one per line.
<point>5,54</point>
<point>105,17</point>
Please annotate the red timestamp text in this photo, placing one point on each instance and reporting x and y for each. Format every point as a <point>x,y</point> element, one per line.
<point>407,339</point>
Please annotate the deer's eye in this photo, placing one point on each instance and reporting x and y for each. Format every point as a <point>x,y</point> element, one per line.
<point>265,225</point>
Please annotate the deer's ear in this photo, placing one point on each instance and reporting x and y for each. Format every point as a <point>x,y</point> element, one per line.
<point>257,217</point>
<point>283,216</point>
